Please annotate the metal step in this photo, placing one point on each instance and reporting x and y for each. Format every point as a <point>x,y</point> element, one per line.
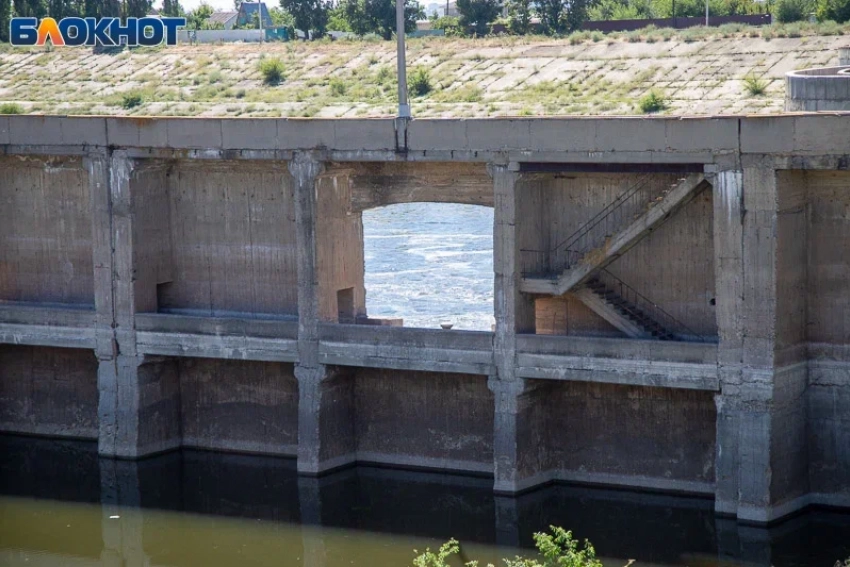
<point>628,311</point>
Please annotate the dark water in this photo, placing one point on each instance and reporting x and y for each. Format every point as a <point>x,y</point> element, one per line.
<point>61,505</point>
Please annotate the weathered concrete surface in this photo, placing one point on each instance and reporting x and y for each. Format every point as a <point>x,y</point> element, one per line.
<point>201,251</point>
<point>381,184</point>
<point>232,240</point>
<point>48,391</point>
<point>45,231</point>
<point>239,406</point>
<point>447,419</point>
<point>828,332</point>
<point>663,438</point>
<point>818,90</point>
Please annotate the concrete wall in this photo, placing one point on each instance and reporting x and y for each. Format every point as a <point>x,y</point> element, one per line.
<point>339,246</point>
<point>424,418</point>
<point>45,231</point>
<point>214,36</point>
<point>211,217</point>
<point>664,436</point>
<point>48,391</point>
<point>239,405</point>
<point>233,240</point>
<point>828,330</point>
<point>828,253</point>
<point>567,315</point>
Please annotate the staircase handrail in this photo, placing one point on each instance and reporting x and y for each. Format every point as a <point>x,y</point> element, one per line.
<point>604,213</point>
<point>679,325</point>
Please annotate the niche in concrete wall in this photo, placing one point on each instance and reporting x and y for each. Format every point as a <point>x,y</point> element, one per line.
<point>427,419</point>
<point>45,231</point>
<point>430,263</point>
<point>669,273</point>
<point>828,256</point>
<point>240,406</point>
<point>48,391</point>
<point>232,240</point>
<point>827,311</point>
<point>633,435</point>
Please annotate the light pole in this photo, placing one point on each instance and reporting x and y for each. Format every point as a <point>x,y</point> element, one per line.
<point>403,106</point>
<point>706,13</point>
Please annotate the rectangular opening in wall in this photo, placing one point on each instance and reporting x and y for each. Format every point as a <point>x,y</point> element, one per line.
<point>345,305</point>
<point>430,265</point>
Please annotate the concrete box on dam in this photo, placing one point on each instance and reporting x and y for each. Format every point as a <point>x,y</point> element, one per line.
<point>170,283</point>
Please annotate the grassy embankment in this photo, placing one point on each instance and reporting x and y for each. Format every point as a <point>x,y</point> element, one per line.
<point>727,70</point>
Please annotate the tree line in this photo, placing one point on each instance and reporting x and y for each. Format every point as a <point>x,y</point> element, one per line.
<point>314,18</point>
<point>59,9</point>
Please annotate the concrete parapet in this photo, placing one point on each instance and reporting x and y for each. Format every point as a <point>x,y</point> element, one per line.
<point>680,140</point>
<point>816,90</point>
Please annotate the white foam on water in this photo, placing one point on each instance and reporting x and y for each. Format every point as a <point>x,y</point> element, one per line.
<point>421,268</point>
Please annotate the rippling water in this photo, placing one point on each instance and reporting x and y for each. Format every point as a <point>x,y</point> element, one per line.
<point>430,263</point>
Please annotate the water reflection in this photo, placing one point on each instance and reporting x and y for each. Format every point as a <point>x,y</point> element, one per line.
<point>64,506</point>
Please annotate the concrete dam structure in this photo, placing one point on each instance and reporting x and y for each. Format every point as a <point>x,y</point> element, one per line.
<point>671,298</point>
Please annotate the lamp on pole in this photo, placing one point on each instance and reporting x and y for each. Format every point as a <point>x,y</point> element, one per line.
<point>403,106</point>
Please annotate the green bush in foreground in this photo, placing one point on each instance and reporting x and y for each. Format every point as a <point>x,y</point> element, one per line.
<point>131,100</point>
<point>419,82</point>
<point>11,108</point>
<point>756,86</point>
<point>653,101</point>
<point>556,549</point>
<point>272,70</point>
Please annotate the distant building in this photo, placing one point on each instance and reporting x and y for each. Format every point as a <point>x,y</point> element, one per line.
<point>247,10</point>
<point>226,19</point>
<point>439,8</point>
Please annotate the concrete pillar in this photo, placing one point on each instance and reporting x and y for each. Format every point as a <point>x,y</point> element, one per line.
<point>728,187</point>
<point>514,314</point>
<point>325,395</point>
<point>519,443</point>
<point>760,460</point>
<point>513,311</point>
<point>138,405</point>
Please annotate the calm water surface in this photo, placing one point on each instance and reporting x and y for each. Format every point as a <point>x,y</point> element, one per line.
<point>430,263</point>
<point>62,506</point>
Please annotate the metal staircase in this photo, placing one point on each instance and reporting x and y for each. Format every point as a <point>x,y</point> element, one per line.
<point>632,313</point>
<point>611,233</point>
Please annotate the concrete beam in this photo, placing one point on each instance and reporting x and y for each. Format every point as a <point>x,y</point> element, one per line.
<point>659,374</point>
<point>380,184</point>
<point>226,347</point>
<point>47,326</point>
<point>620,140</point>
